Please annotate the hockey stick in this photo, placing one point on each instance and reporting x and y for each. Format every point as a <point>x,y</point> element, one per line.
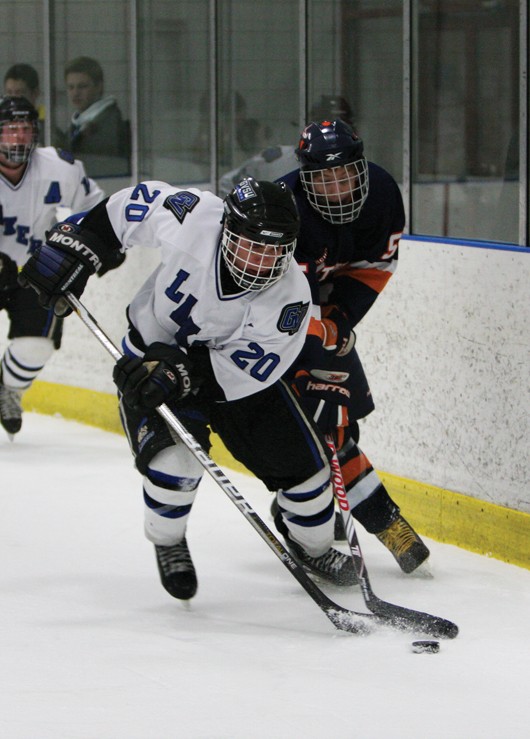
<point>397,616</point>
<point>342,618</point>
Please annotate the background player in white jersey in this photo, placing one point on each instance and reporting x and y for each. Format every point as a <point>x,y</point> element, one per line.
<point>34,183</point>
<point>211,333</point>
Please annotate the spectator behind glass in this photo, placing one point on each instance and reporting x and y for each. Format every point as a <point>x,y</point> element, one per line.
<point>97,133</point>
<point>22,80</point>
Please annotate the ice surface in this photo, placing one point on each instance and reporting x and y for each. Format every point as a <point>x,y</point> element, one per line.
<point>91,646</point>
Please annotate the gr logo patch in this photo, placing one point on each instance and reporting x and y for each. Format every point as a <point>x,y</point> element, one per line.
<point>291,317</point>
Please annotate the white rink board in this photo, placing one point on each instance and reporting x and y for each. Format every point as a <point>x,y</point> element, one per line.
<point>446,349</point>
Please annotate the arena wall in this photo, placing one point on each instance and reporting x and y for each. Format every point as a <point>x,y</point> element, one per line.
<point>446,348</point>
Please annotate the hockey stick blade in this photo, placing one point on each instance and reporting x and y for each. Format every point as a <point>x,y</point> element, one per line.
<point>342,618</point>
<point>407,619</point>
<point>398,617</point>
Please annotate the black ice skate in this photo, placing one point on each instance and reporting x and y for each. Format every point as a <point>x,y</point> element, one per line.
<point>333,566</point>
<point>176,569</point>
<point>10,409</point>
<point>405,545</point>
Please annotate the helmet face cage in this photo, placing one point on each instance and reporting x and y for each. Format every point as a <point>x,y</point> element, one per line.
<point>337,193</point>
<point>333,170</point>
<point>14,113</point>
<point>255,265</point>
<point>260,227</point>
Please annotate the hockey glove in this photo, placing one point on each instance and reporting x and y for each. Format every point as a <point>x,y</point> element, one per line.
<point>63,264</point>
<point>8,273</point>
<point>325,396</point>
<point>162,375</point>
<point>114,260</point>
<point>340,336</point>
<point>321,348</point>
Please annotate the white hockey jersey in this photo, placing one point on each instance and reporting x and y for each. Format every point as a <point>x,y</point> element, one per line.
<point>53,185</point>
<point>253,337</point>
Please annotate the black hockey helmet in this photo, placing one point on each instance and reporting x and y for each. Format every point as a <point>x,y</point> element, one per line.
<point>262,211</point>
<point>16,110</point>
<point>333,170</point>
<point>258,215</point>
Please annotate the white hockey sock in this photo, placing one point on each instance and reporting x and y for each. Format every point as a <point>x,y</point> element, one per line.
<point>170,487</point>
<point>302,505</point>
<point>23,359</point>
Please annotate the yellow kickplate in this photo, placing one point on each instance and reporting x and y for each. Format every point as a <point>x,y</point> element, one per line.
<point>442,515</point>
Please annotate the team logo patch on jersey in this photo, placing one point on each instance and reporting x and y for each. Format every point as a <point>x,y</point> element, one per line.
<point>181,203</point>
<point>291,318</point>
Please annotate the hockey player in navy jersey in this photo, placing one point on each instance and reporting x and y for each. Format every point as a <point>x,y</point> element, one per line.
<point>37,187</point>
<point>211,333</point>
<point>352,218</point>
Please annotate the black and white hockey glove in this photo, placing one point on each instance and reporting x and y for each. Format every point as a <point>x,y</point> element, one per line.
<point>8,273</point>
<point>164,374</point>
<point>63,264</point>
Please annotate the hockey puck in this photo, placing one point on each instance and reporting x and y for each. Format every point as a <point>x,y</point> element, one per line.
<point>425,647</point>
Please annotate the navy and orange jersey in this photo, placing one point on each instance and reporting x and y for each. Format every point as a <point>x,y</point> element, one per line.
<point>348,265</point>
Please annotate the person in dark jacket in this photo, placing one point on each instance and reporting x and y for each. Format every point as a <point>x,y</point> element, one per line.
<point>97,134</point>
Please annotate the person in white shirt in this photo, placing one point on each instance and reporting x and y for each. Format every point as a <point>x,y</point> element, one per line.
<point>211,333</point>
<point>37,184</point>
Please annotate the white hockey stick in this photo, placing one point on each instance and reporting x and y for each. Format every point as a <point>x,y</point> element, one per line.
<point>398,616</point>
<point>342,618</point>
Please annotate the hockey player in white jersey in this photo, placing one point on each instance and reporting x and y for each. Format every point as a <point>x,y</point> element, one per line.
<point>36,186</point>
<point>211,333</point>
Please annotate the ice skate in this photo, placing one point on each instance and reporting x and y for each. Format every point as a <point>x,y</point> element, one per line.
<point>333,566</point>
<point>10,410</point>
<point>404,544</point>
<point>176,569</point>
